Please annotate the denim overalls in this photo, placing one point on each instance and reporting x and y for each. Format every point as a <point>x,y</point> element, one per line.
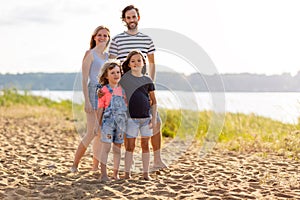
<point>114,120</point>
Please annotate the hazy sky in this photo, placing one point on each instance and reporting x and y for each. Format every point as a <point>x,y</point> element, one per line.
<point>255,36</point>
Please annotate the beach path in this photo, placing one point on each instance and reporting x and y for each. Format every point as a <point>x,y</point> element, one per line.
<point>38,145</point>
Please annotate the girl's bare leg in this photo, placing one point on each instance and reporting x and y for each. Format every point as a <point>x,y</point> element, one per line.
<point>130,145</point>
<point>117,159</point>
<point>145,157</point>
<point>105,148</point>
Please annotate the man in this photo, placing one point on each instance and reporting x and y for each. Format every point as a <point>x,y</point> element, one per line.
<point>120,46</point>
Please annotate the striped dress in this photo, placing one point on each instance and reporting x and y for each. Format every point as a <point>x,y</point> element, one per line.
<point>123,43</point>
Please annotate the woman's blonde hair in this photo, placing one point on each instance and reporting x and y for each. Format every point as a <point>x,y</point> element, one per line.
<point>92,42</point>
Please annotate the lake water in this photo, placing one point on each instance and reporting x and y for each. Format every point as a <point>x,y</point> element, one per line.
<point>284,107</point>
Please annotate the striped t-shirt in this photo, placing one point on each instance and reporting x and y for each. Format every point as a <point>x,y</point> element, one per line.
<point>123,43</point>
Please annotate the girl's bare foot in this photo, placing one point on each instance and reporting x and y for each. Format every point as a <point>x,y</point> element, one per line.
<point>95,169</point>
<point>146,176</point>
<point>116,174</point>
<point>127,175</point>
<point>116,177</point>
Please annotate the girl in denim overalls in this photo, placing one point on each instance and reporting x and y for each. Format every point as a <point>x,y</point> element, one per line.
<point>112,116</point>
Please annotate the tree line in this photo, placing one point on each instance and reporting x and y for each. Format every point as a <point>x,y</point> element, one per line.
<point>244,82</point>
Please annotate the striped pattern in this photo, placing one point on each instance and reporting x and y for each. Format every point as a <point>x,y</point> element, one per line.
<point>123,43</point>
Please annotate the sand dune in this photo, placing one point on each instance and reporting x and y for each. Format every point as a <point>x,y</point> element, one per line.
<point>37,149</point>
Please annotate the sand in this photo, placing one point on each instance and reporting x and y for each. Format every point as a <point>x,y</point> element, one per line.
<point>38,145</point>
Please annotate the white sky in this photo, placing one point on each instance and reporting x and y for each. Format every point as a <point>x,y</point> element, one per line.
<point>255,36</point>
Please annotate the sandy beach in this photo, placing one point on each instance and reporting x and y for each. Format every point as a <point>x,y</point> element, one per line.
<point>38,145</point>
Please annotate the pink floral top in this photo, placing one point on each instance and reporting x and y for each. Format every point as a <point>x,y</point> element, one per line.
<point>104,101</point>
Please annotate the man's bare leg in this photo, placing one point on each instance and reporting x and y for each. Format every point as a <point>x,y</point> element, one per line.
<point>156,146</point>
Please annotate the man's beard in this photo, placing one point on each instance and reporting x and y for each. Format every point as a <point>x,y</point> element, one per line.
<point>130,27</point>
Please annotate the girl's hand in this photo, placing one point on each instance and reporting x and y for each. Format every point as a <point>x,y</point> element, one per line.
<point>150,102</point>
<point>88,107</point>
<point>97,130</point>
<point>100,93</point>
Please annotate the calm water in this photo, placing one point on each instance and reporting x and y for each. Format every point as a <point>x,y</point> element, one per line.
<point>284,107</point>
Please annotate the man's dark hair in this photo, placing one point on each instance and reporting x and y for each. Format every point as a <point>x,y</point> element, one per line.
<point>130,7</point>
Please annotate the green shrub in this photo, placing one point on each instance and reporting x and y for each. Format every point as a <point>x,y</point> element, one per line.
<point>10,97</point>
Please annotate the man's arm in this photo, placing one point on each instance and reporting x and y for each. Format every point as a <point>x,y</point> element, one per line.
<point>151,66</point>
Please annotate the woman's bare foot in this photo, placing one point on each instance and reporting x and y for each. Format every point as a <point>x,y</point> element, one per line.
<point>73,169</point>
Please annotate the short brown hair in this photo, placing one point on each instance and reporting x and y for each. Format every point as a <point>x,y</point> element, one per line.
<point>130,7</point>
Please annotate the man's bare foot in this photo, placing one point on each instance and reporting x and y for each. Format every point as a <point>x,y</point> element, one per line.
<point>158,166</point>
<point>104,178</point>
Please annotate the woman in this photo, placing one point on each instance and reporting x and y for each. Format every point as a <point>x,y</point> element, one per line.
<point>93,59</point>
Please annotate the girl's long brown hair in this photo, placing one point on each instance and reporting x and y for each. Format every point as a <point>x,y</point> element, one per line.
<point>125,64</point>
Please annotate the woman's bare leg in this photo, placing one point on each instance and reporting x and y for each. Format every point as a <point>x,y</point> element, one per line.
<point>91,121</point>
